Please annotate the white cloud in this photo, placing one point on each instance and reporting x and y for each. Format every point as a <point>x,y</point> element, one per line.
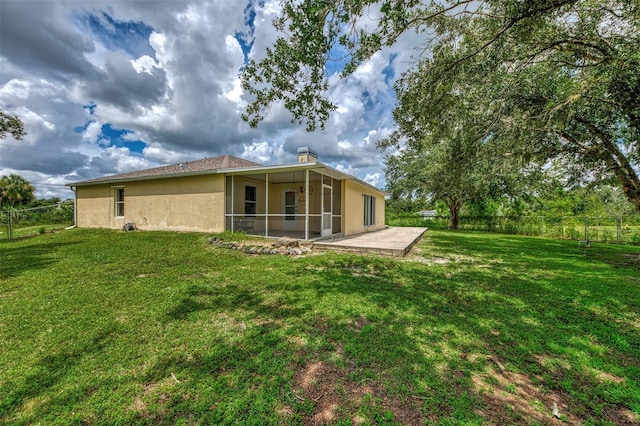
<point>181,97</point>
<point>375,179</point>
<point>162,155</point>
<point>91,134</point>
<point>145,63</point>
<point>263,152</point>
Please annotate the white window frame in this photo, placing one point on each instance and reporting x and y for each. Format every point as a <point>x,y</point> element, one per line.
<point>118,201</point>
<point>369,210</point>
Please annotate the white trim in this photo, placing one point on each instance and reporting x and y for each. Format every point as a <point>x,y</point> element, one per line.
<point>266,204</point>
<point>118,203</point>
<point>306,205</point>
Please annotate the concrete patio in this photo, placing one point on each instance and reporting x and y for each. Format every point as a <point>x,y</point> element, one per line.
<point>389,241</point>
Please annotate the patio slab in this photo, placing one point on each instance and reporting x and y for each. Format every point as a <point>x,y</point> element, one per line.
<point>389,241</point>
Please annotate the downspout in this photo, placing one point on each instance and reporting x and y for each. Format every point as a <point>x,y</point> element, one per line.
<point>75,208</point>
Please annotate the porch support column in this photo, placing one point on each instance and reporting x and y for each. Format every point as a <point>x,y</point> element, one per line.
<point>266,206</point>
<point>306,204</point>
<point>233,201</point>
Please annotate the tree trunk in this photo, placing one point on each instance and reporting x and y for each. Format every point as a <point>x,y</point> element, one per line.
<point>633,195</point>
<point>617,162</point>
<point>454,211</point>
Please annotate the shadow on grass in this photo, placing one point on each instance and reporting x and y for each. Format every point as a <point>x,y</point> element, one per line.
<point>499,336</point>
<point>18,259</point>
<point>491,340</point>
<point>520,326</point>
<point>45,374</point>
<point>566,338</point>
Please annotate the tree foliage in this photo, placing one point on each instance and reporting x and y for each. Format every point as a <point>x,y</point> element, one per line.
<point>15,191</point>
<point>10,124</point>
<point>558,78</point>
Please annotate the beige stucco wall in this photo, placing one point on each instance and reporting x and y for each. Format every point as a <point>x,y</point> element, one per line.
<point>354,208</point>
<point>197,203</point>
<point>191,203</point>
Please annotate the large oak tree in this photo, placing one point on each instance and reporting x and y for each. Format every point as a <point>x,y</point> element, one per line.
<point>560,77</point>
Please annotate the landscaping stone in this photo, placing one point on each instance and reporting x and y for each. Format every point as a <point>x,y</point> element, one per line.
<point>287,242</point>
<point>283,246</point>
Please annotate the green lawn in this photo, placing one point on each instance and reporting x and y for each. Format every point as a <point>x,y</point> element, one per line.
<point>29,231</point>
<point>109,327</point>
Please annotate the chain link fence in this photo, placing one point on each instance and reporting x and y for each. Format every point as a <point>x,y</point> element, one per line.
<point>19,223</point>
<point>607,229</point>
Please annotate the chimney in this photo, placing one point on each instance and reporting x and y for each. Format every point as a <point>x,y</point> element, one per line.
<point>306,154</point>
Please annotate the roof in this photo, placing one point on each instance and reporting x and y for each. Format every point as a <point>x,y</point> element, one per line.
<point>227,164</point>
<point>204,166</point>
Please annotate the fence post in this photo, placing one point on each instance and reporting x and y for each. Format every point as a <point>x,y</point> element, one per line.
<point>587,243</point>
<point>10,225</point>
<point>619,230</point>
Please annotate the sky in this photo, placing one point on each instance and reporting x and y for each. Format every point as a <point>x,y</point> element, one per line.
<point>106,87</point>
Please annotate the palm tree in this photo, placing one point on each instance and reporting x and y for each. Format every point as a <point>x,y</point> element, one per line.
<point>15,191</point>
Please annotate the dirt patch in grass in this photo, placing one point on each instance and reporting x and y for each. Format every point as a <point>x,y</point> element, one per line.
<point>621,260</point>
<point>514,397</point>
<point>155,391</point>
<point>358,324</point>
<point>333,396</point>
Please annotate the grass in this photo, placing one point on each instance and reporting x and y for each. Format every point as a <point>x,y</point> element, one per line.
<point>601,229</point>
<point>30,231</point>
<point>107,327</point>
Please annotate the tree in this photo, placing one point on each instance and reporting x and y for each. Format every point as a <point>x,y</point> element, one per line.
<point>12,125</point>
<point>454,169</point>
<point>559,76</point>
<point>15,191</point>
<point>447,155</point>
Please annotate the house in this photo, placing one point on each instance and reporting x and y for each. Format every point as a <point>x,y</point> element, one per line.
<point>305,200</point>
<point>428,214</point>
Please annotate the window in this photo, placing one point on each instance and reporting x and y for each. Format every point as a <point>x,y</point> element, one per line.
<point>119,205</point>
<point>369,210</point>
<point>250,198</point>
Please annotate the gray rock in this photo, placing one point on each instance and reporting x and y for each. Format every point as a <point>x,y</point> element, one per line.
<point>287,242</point>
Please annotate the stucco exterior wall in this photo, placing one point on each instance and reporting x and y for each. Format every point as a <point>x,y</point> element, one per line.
<point>353,207</point>
<point>190,203</point>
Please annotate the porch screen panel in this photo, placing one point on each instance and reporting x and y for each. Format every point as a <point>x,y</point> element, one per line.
<point>290,205</point>
<point>337,206</point>
<point>227,198</point>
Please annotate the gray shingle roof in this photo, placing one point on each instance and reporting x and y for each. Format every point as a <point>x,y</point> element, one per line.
<point>188,167</point>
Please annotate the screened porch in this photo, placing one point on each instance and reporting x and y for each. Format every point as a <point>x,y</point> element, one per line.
<point>296,202</point>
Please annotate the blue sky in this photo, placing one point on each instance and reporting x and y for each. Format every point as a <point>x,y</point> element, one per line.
<point>107,87</point>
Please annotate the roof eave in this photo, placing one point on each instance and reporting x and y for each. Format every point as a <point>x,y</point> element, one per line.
<point>276,168</point>
<point>141,178</point>
<point>309,165</point>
